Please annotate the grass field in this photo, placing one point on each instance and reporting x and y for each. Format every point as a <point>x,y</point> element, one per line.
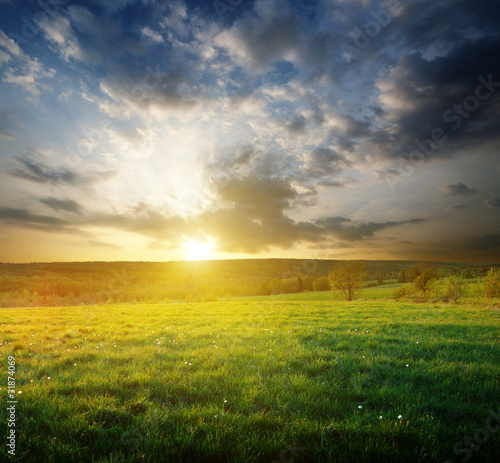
<point>298,378</point>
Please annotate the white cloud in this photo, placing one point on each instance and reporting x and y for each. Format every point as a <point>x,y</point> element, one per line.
<point>59,32</point>
<point>11,49</point>
<point>23,71</point>
<point>151,34</point>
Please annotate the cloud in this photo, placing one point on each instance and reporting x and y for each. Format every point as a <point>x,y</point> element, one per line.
<point>144,220</point>
<point>345,229</point>
<point>23,70</point>
<point>322,162</point>
<point>419,95</point>
<point>157,246</point>
<point>102,244</point>
<point>10,49</point>
<point>4,135</point>
<point>297,124</point>
<point>67,205</point>
<point>152,91</point>
<point>259,115</point>
<point>37,171</point>
<point>487,242</point>
<point>271,33</point>
<point>493,203</point>
<point>151,34</point>
<point>457,207</point>
<point>24,218</point>
<point>458,189</point>
<point>59,32</point>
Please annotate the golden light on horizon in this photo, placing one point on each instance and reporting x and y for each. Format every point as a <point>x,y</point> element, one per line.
<point>199,251</point>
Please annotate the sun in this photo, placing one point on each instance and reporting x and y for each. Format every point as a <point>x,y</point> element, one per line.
<point>199,251</point>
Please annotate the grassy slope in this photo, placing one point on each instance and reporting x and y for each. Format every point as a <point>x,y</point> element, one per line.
<point>241,380</point>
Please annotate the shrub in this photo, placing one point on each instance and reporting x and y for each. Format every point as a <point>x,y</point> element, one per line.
<point>475,290</point>
<point>435,290</point>
<point>406,290</point>
<point>491,283</point>
<point>454,288</point>
<point>422,281</point>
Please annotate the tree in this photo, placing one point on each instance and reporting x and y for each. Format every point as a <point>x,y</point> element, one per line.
<point>422,281</point>
<point>347,277</point>
<point>454,288</point>
<point>412,273</point>
<point>491,283</point>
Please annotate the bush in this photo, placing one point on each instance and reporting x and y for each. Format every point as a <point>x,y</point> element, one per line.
<point>435,290</point>
<point>491,283</point>
<point>404,291</point>
<point>454,288</point>
<point>422,281</point>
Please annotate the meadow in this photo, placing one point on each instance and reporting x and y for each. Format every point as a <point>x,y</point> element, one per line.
<point>289,378</point>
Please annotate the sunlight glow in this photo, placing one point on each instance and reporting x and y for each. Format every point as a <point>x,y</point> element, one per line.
<point>199,251</point>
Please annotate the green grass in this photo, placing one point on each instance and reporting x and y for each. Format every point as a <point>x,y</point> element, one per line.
<point>245,380</point>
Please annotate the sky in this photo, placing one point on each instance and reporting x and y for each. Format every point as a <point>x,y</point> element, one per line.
<point>153,131</point>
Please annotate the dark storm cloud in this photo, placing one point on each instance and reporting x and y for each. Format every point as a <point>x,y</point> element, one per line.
<point>38,171</point>
<point>456,92</point>
<point>458,189</point>
<point>439,25</point>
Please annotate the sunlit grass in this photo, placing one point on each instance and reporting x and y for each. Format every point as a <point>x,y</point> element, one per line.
<point>239,380</point>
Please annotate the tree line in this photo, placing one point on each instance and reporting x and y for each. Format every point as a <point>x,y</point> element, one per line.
<point>76,283</point>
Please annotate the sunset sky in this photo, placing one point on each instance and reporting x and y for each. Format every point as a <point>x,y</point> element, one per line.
<point>156,131</point>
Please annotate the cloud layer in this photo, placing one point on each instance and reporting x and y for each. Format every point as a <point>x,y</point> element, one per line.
<point>352,127</point>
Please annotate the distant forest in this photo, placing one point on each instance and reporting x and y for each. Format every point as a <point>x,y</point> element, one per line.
<point>76,283</point>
